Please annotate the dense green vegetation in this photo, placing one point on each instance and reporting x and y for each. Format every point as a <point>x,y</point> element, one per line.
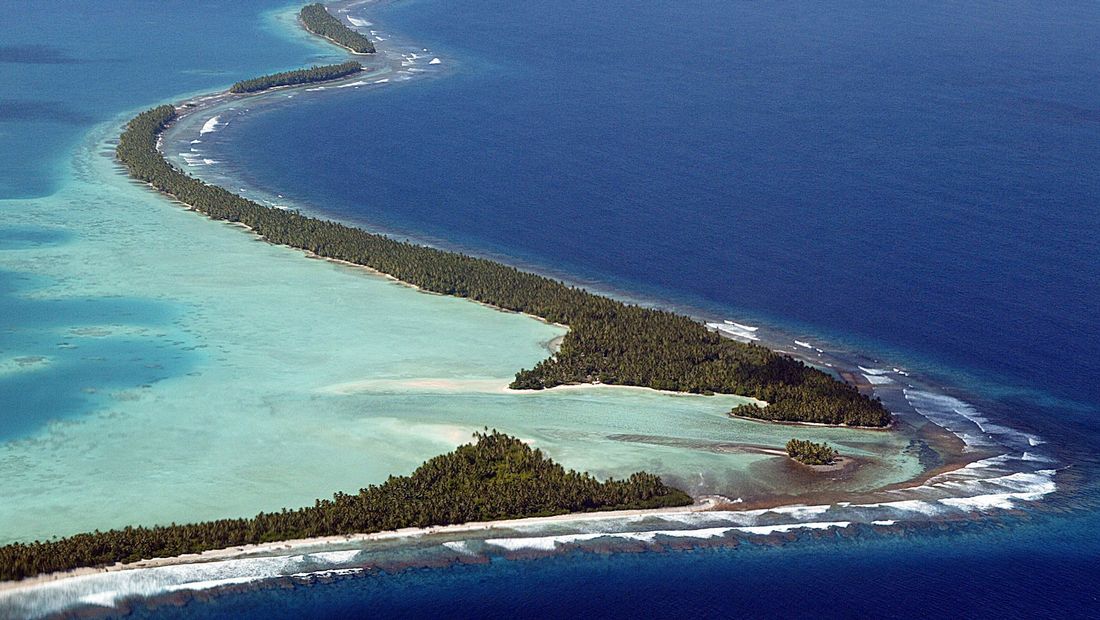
<point>300,76</point>
<point>496,477</point>
<point>320,22</point>
<point>609,341</point>
<point>811,453</point>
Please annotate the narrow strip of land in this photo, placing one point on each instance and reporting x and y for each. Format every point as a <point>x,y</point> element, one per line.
<point>609,341</point>
<point>297,77</point>
<point>496,477</point>
<point>311,545</point>
<point>317,19</point>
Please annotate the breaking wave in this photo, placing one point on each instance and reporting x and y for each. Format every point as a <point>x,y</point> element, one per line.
<point>210,126</point>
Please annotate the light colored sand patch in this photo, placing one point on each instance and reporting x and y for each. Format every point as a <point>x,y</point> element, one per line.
<point>422,384</point>
<point>605,386</point>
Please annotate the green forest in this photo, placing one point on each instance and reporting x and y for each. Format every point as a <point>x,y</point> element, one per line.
<point>495,477</point>
<point>317,19</point>
<point>810,453</point>
<point>299,76</point>
<point>608,342</point>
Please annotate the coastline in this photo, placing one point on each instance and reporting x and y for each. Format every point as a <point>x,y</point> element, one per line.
<point>811,424</point>
<point>847,370</point>
<point>211,104</point>
<point>333,41</point>
<point>811,507</point>
<point>819,397</point>
<point>287,547</point>
<point>806,515</point>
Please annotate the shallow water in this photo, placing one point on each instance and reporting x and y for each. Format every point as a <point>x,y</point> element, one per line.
<point>228,378</point>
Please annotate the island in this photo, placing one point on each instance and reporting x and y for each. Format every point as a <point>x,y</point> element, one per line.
<point>609,342</point>
<point>311,75</point>
<point>316,18</point>
<point>495,477</point>
<point>810,453</point>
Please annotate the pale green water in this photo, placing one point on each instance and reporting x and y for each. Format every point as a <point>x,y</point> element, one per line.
<point>300,378</point>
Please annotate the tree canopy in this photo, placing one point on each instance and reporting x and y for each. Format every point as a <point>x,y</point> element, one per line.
<point>810,453</point>
<point>300,76</point>
<point>317,19</point>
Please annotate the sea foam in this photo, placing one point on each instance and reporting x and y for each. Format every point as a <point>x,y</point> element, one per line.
<point>210,125</point>
<point>733,330</point>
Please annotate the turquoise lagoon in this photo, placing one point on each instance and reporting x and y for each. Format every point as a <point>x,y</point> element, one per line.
<point>157,367</point>
<point>268,379</point>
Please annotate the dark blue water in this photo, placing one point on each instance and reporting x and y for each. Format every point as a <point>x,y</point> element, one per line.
<point>953,576</point>
<point>919,178</point>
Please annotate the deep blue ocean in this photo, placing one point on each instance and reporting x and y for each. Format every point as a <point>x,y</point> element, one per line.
<point>918,178</point>
<point>920,181</point>
<point>960,577</point>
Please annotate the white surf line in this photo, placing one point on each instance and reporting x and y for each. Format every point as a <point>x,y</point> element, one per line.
<point>550,543</point>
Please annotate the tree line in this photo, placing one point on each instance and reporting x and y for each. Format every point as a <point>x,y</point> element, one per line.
<point>317,19</point>
<point>495,477</point>
<point>299,76</point>
<point>608,342</point>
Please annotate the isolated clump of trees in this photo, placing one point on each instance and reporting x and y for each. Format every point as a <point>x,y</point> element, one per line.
<point>810,453</point>
<point>299,76</point>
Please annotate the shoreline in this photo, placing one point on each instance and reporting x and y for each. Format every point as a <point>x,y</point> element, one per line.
<point>188,110</point>
<point>774,342</point>
<point>320,544</point>
<point>890,427</point>
<point>703,504</point>
<point>848,370</point>
<point>777,342</point>
<point>333,41</point>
